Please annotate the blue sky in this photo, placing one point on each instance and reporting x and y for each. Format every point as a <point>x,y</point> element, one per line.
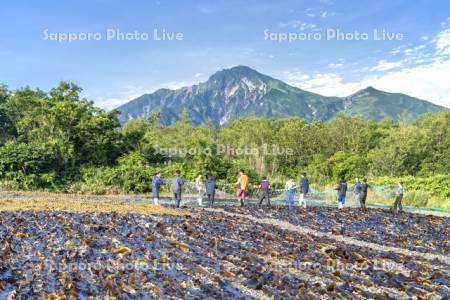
<point>221,34</point>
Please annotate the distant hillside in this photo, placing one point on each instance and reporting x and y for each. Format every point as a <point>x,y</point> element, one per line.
<point>242,91</point>
<point>376,104</point>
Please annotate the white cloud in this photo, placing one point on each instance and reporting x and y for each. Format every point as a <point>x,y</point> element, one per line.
<point>443,42</point>
<point>408,51</point>
<point>325,14</point>
<point>300,25</point>
<point>327,84</point>
<point>446,23</point>
<point>423,72</point>
<point>198,75</point>
<point>173,85</point>
<point>428,82</point>
<point>396,51</point>
<point>338,64</point>
<point>129,93</point>
<point>296,77</point>
<point>109,103</point>
<point>318,12</point>
<point>384,65</point>
<point>335,65</point>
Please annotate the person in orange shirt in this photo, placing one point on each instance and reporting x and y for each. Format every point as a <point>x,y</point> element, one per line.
<point>241,185</point>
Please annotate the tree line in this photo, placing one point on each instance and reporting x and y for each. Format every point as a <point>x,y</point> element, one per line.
<point>59,141</point>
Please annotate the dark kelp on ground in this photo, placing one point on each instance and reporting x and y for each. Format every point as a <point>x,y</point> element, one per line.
<point>54,254</point>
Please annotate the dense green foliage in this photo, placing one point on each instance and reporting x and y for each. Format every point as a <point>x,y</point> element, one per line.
<point>59,141</point>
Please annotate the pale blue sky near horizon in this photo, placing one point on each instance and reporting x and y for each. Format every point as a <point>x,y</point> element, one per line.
<point>221,34</point>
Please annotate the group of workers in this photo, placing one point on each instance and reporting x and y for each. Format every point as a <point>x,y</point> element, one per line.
<point>208,189</point>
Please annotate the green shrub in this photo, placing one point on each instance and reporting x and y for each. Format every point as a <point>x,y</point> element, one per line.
<point>131,175</point>
<point>437,185</point>
<point>431,192</point>
<point>437,202</point>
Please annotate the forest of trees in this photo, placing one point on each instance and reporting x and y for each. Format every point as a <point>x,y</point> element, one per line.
<point>58,141</point>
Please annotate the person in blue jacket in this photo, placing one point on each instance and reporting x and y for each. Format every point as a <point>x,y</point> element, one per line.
<point>157,182</point>
<point>304,189</point>
<point>342,192</point>
<point>356,191</point>
<point>290,188</point>
<point>178,182</point>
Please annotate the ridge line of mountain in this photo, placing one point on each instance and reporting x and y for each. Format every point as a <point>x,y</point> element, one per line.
<point>242,91</point>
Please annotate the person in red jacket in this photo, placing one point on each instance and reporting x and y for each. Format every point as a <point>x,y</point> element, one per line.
<point>264,187</point>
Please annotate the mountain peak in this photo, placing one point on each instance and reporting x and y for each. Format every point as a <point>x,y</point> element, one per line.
<point>370,89</point>
<point>240,69</point>
<point>238,72</point>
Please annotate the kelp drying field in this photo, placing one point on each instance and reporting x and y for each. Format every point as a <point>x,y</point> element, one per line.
<point>68,249</point>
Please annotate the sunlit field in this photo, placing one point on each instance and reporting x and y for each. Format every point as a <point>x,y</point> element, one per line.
<point>225,150</point>
<point>59,248</point>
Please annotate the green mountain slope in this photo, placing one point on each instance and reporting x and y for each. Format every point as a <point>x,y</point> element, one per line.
<point>241,91</point>
<point>376,104</point>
